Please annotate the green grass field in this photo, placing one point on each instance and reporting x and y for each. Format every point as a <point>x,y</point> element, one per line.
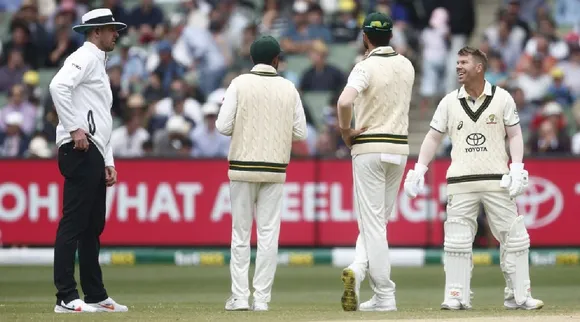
<point>171,293</point>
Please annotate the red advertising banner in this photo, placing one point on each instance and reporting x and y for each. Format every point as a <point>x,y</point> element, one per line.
<point>186,203</point>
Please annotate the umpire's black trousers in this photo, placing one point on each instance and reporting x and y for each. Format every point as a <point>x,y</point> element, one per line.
<point>82,222</point>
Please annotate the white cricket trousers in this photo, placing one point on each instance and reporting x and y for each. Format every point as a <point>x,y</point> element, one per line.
<point>376,186</point>
<point>266,200</point>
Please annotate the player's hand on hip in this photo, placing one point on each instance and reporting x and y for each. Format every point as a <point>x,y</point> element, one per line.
<point>80,139</point>
<point>415,180</point>
<point>110,176</point>
<point>348,134</point>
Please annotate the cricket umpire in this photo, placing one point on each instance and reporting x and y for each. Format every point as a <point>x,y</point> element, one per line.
<point>82,97</point>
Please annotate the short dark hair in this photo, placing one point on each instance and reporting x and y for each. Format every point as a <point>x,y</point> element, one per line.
<point>379,39</point>
<point>477,54</point>
<point>264,60</point>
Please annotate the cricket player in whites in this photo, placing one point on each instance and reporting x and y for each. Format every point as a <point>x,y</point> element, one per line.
<point>478,117</point>
<point>379,88</point>
<point>263,114</point>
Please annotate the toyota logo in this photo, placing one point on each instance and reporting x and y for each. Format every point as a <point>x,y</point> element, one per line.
<point>541,204</point>
<point>475,139</point>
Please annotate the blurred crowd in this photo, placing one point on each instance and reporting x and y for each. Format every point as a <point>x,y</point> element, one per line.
<point>172,66</point>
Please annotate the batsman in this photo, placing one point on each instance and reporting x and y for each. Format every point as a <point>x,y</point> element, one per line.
<point>379,88</point>
<point>478,117</point>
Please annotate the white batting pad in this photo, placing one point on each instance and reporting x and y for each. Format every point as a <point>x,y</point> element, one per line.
<point>516,259</point>
<point>457,260</point>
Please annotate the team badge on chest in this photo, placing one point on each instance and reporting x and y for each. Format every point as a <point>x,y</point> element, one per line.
<point>491,119</point>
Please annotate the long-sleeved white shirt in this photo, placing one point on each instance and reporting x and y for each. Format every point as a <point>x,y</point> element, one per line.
<point>82,96</point>
<point>227,116</point>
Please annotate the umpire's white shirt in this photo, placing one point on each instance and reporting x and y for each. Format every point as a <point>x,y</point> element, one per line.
<point>82,96</point>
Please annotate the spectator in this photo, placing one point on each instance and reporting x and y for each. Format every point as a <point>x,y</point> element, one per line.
<point>21,40</point>
<point>168,69</point>
<point>572,70</point>
<point>525,12</point>
<point>559,91</point>
<point>62,47</point>
<point>496,73</point>
<point>134,72</point>
<point>567,13</point>
<point>127,140</point>
<point>462,24</point>
<point>186,148</point>
<point>217,30</point>
<point>434,41</point>
<point>119,12</point>
<point>329,143</point>
<point>197,12</point>
<point>153,91</point>
<point>66,16</point>
<point>196,48</point>
<point>507,40</point>
<point>535,82</point>
<point>49,121</point>
<point>13,141</point>
<point>179,102</point>
<point>299,36</point>
<point>525,111</point>
<point>243,62</point>
<point>207,141</point>
<point>9,6</point>
<point>552,111</point>
<point>550,133</point>
<point>148,148</point>
<point>19,103</point>
<point>557,48</point>
<point>147,14</point>
<point>28,14</point>
<point>345,27</point>
<point>12,73</point>
<point>237,19</point>
<point>542,50</point>
<point>321,76</point>
<point>548,141</point>
<point>316,22</point>
<point>273,22</point>
<point>285,72</point>
<point>169,140</point>
<point>114,72</point>
<point>39,148</point>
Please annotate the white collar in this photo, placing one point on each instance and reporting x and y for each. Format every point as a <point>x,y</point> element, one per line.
<point>382,50</point>
<point>486,91</point>
<point>101,55</point>
<point>263,69</point>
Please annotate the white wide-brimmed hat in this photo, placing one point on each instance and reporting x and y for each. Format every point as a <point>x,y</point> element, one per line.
<point>97,18</point>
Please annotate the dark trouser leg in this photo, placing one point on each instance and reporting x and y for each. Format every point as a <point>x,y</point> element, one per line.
<point>82,173</point>
<point>89,246</point>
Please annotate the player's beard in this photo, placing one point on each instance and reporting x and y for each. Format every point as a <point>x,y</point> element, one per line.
<point>365,44</point>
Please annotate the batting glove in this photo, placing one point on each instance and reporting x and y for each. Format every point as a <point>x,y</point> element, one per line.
<point>517,181</point>
<point>415,180</point>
